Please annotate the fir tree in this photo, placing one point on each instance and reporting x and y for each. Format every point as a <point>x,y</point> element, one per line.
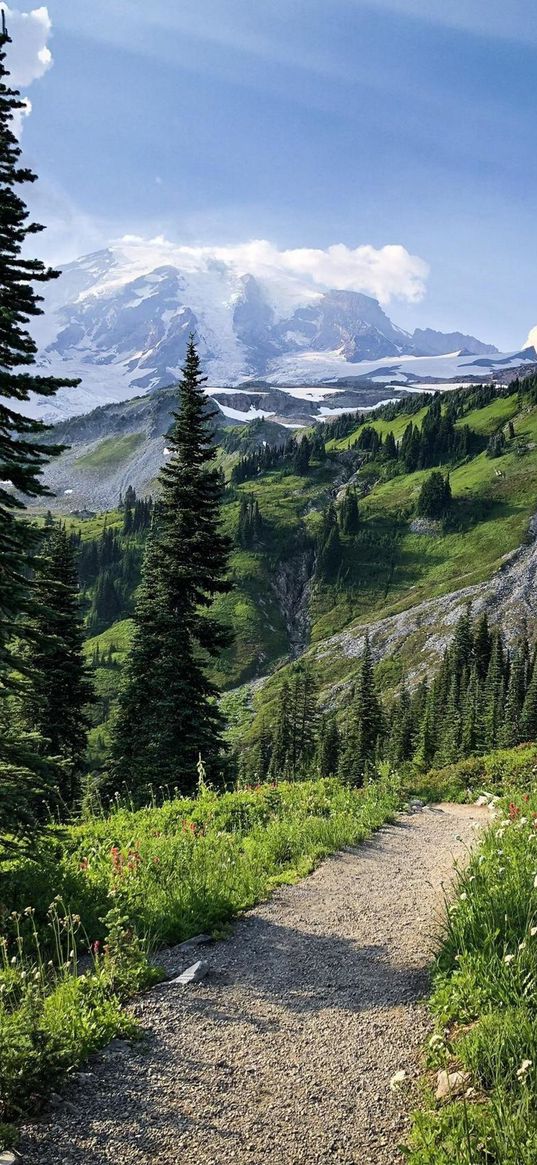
<point>366,725</point>
<point>528,721</point>
<point>434,499</point>
<point>328,747</point>
<point>349,516</point>
<point>510,732</point>
<point>329,553</point>
<point>281,736</point>
<point>59,689</point>
<point>25,776</point>
<point>167,713</point>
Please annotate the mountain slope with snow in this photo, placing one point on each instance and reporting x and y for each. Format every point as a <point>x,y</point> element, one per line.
<point>120,320</point>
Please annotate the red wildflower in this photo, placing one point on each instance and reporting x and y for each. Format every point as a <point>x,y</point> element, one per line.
<point>514,811</point>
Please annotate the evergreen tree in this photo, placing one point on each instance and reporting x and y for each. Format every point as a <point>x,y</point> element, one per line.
<point>390,447</point>
<point>329,553</point>
<point>59,689</point>
<point>281,736</point>
<point>25,776</point>
<point>328,747</point>
<point>167,713</point>
<point>434,499</point>
<point>528,721</point>
<point>365,727</point>
<point>510,732</point>
<point>494,693</point>
<point>482,647</point>
<point>302,456</point>
<point>349,516</point>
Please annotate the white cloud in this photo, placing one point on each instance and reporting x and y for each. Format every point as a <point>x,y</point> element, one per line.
<point>386,273</point>
<point>28,57</point>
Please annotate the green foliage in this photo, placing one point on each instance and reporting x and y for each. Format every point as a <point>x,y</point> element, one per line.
<point>485,1001</point>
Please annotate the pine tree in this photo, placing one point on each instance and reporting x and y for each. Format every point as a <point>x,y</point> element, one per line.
<point>167,713</point>
<point>59,688</point>
<point>279,768</point>
<point>482,647</point>
<point>510,732</point>
<point>328,747</point>
<point>25,776</point>
<point>366,724</point>
<point>528,722</point>
<point>390,447</point>
<point>303,719</point>
<point>349,516</point>
<point>329,554</point>
<point>494,692</point>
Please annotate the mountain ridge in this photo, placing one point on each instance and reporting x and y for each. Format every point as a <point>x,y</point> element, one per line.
<point>120,319</point>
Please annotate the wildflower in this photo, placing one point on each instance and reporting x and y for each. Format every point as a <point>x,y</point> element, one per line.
<point>84,864</point>
<point>514,811</point>
<point>535,882</point>
<point>508,958</point>
<point>397,1079</point>
<point>533,931</point>
<point>463,896</point>
<point>522,1072</point>
<point>522,946</point>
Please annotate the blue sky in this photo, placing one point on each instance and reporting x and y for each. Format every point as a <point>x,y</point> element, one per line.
<point>306,123</point>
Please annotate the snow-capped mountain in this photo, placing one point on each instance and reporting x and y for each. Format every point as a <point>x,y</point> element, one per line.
<point>120,319</point>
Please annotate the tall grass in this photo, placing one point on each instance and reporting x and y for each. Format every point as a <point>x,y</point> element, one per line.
<point>485,1004</point>
<point>114,889</point>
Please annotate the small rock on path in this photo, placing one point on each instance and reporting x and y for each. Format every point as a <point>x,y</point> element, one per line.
<point>284,1054</point>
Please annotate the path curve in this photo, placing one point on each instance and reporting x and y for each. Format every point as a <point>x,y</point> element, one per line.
<point>283,1055</point>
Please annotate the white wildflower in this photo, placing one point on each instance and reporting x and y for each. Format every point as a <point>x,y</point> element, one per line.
<point>397,1079</point>
<point>523,1070</point>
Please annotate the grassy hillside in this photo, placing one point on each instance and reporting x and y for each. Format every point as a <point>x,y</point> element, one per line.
<point>281,606</point>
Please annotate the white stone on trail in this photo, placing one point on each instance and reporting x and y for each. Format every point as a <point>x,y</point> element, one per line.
<point>192,974</point>
<point>7,1158</point>
<point>449,1084</point>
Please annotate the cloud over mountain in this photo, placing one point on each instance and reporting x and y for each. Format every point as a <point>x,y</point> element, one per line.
<point>386,273</point>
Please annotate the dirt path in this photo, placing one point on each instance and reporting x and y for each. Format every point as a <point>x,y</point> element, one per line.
<point>284,1053</point>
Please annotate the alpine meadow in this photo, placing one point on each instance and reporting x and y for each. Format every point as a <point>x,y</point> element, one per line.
<point>268,619</point>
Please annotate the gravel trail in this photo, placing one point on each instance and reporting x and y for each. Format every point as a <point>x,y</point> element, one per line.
<point>283,1055</point>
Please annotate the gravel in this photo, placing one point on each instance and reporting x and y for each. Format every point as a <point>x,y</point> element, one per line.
<point>284,1053</point>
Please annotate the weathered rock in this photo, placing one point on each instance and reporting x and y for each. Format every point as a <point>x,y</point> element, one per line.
<point>7,1158</point>
<point>198,940</point>
<point>449,1084</point>
<point>193,974</point>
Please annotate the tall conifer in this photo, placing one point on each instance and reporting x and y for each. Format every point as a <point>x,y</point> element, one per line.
<point>59,688</point>
<point>167,713</point>
<point>25,776</point>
